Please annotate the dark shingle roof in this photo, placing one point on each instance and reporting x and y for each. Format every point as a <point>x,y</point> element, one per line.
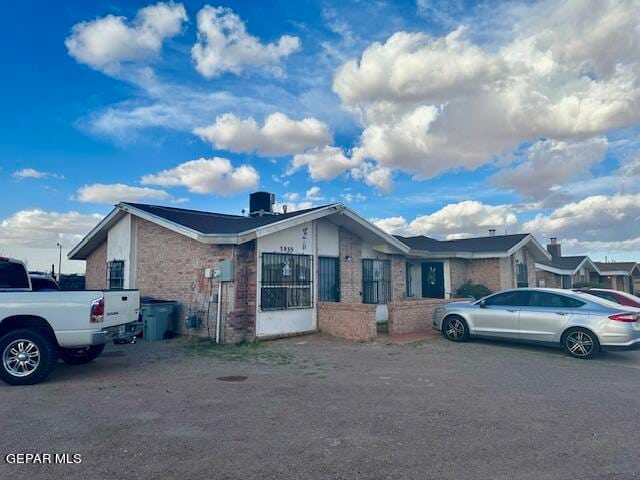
<point>615,266</point>
<point>214,223</point>
<point>565,263</point>
<point>497,243</point>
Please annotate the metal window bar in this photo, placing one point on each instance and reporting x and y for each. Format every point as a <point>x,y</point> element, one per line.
<point>328,279</point>
<point>286,281</point>
<point>376,281</point>
<point>115,274</point>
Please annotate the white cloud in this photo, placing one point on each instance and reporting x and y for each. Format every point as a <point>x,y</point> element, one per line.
<point>224,45</point>
<point>599,218</point>
<point>291,197</point>
<point>33,173</point>
<point>394,225</point>
<point>107,43</point>
<point>313,194</point>
<point>292,206</point>
<point>551,164</point>
<point>41,229</point>
<point>433,104</point>
<point>32,235</point>
<point>118,192</point>
<point>374,176</point>
<point>456,220</point>
<point>207,176</point>
<point>279,135</point>
<point>324,163</point>
<point>353,197</point>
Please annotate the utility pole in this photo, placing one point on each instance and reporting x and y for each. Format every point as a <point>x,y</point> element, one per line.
<point>59,259</point>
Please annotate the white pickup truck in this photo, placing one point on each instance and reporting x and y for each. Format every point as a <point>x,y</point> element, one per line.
<point>37,328</point>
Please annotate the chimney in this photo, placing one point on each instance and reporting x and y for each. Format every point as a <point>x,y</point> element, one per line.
<point>492,232</point>
<point>261,203</point>
<point>554,247</point>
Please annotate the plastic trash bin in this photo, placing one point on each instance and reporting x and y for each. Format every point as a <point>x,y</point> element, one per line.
<point>157,318</point>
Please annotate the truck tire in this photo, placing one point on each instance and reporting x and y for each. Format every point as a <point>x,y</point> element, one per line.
<point>27,356</point>
<point>80,356</point>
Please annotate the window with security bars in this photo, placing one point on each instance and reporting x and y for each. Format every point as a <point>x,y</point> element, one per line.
<point>286,281</point>
<point>328,279</point>
<point>115,275</point>
<point>376,281</point>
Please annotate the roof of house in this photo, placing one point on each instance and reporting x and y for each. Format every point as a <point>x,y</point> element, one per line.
<point>496,243</point>
<point>220,228</point>
<point>476,247</point>
<point>616,266</point>
<point>568,265</point>
<point>565,263</point>
<point>210,223</point>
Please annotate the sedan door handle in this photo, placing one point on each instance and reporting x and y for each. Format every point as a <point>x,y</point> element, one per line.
<point>561,313</point>
<point>512,311</point>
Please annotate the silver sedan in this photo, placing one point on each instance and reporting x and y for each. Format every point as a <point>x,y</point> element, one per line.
<point>581,323</point>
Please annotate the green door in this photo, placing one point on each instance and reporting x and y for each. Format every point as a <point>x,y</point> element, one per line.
<point>433,280</point>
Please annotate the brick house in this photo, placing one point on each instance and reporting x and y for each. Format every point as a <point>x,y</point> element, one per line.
<point>568,271</point>
<point>436,268</point>
<point>565,271</point>
<point>623,276</point>
<point>321,269</point>
<point>284,265</point>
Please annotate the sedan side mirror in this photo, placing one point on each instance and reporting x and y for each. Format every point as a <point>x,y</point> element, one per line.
<point>482,304</point>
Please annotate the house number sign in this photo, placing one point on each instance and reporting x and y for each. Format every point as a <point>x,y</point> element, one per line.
<point>286,249</point>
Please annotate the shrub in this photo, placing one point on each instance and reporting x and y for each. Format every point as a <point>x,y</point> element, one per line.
<point>475,290</point>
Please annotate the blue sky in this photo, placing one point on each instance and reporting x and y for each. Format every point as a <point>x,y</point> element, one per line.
<point>430,117</point>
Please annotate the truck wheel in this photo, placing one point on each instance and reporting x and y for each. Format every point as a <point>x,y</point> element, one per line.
<point>28,357</point>
<point>80,356</point>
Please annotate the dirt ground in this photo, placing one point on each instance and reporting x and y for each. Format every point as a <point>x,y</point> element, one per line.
<point>313,407</point>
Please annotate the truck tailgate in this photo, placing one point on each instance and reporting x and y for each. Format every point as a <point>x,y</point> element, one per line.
<point>120,307</point>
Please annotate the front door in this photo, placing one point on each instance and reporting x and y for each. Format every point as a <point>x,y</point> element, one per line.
<point>433,280</point>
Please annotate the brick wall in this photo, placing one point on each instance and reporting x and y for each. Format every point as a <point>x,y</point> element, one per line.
<point>457,273</point>
<point>350,267</point>
<point>96,268</point>
<point>551,280</point>
<point>353,321</point>
<point>413,315</point>
<point>398,277</point>
<point>241,324</point>
<point>171,266</point>
<point>486,271</point>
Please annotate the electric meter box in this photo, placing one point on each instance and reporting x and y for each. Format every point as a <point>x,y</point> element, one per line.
<point>227,270</point>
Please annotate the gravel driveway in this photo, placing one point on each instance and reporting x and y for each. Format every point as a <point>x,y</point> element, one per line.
<point>313,407</point>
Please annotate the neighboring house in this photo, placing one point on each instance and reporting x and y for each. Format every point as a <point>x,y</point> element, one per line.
<point>623,276</point>
<point>284,265</point>
<point>565,272</point>
<point>436,268</point>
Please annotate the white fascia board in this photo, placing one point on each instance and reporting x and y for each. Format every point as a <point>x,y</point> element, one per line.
<point>294,221</point>
<point>94,231</point>
<point>463,255</point>
<point>163,222</point>
<point>525,241</point>
<point>613,273</point>
<point>376,230</point>
<point>557,271</point>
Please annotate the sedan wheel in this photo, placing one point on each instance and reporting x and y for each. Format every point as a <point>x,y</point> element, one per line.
<point>455,329</point>
<point>581,344</point>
